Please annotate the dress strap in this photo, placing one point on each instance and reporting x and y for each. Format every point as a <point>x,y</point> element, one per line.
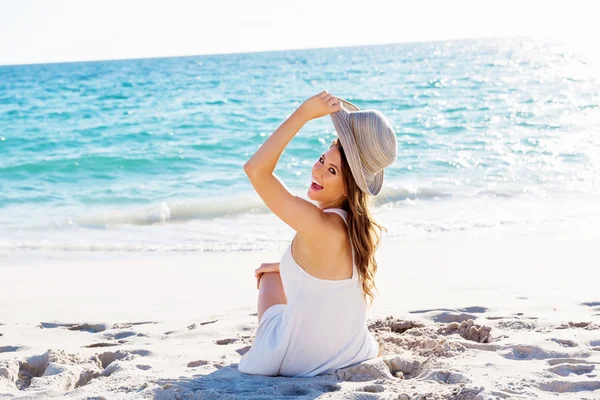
<point>339,211</point>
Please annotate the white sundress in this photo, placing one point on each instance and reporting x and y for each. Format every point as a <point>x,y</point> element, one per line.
<point>322,327</point>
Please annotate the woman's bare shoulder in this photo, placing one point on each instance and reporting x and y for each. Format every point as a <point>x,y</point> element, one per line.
<point>335,232</point>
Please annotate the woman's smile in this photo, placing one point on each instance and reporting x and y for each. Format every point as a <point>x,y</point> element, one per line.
<point>315,185</point>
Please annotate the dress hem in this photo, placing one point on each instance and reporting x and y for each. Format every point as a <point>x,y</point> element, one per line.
<point>271,312</point>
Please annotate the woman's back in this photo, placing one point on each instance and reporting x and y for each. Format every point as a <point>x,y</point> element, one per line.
<point>329,257</point>
<point>322,326</point>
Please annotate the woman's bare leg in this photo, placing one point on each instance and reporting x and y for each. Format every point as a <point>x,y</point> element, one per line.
<point>270,292</point>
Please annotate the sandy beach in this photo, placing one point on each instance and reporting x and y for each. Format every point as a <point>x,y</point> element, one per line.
<point>497,315</point>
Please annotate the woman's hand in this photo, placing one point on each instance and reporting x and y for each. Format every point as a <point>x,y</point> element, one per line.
<point>319,105</point>
<point>264,268</point>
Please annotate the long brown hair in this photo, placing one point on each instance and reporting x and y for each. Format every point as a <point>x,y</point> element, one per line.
<point>365,233</point>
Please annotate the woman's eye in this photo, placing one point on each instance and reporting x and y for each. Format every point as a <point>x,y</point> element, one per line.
<point>321,160</point>
<point>332,170</point>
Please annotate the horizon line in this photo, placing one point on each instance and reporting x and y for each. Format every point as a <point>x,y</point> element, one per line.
<point>270,51</point>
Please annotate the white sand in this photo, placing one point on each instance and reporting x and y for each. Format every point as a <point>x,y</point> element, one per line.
<point>175,326</point>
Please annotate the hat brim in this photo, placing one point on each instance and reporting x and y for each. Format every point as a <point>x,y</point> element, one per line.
<point>341,121</point>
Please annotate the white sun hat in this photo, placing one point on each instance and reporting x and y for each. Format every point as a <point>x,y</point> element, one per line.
<point>369,143</point>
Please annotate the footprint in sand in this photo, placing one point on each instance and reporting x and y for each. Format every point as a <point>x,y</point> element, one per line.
<point>495,317</point>
<point>594,344</point>
<point>10,349</point>
<point>243,350</point>
<point>569,386</point>
<point>92,328</point>
<point>579,324</point>
<point>591,304</point>
<point>564,342</point>
<point>516,325</point>
<point>197,363</point>
<point>571,368</point>
<point>102,344</point>
<point>127,325</point>
<point>530,352</point>
<point>556,361</point>
<point>143,353</point>
<point>86,327</point>
<point>567,369</point>
<point>226,341</point>
<point>595,305</point>
<point>123,335</point>
<point>119,335</point>
<point>587,325</point>
<point>447,317</point>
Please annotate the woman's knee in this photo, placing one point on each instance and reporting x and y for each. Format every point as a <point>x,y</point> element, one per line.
<point>270,292</point>
<point>270,285</point>
<point>272,280</point>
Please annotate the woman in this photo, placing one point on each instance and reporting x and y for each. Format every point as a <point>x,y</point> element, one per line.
<point>312,304</point>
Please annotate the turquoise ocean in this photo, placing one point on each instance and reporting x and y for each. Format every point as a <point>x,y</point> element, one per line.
<point>147,155</point>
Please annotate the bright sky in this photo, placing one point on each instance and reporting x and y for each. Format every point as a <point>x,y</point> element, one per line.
<point>37,31</point>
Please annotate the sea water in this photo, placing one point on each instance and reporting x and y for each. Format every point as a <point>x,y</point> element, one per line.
<point>147,155</point>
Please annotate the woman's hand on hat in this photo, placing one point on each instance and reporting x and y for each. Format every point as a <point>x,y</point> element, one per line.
<point>319,105</point>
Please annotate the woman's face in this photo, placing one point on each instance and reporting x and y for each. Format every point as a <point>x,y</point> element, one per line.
<point>327,183</point>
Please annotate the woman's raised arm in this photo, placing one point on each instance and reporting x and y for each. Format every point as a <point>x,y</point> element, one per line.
<point>299,214</point>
